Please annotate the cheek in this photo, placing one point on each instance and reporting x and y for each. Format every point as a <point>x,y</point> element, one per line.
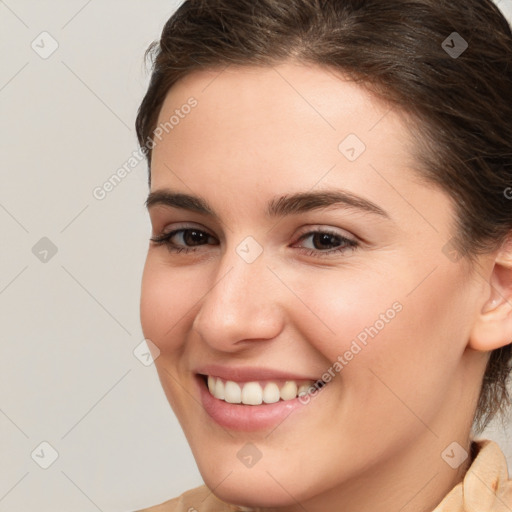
<point>344,306</point>
<point>167,296</point>
<point>389,336</point>
<point>165,301</point>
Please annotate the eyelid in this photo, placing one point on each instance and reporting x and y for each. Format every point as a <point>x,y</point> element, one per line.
<point>184,225</point>
<point>305,230</point>
<point>325,228</point>
<point>349,243</point>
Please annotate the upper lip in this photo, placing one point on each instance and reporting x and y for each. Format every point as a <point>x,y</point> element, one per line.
<point>249,373</point>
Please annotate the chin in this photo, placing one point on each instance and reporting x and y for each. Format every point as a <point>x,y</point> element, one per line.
<point>248,492</point>
<point>265,485</point>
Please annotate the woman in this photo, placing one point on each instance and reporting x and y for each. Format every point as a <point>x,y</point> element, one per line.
<point>328,285</point>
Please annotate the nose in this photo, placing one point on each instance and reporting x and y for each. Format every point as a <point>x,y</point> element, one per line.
<point>243,304</point>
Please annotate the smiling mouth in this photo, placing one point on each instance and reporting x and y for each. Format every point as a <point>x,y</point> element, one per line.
<point>259,392</point>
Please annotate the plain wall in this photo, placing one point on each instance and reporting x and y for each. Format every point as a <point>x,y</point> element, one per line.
<point>71,265</point>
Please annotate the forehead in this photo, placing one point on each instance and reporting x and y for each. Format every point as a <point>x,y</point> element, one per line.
<point>290,121</point>
<point>318,94</point>
<point>285,126</point>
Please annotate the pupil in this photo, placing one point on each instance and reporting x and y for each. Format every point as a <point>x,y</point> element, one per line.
<point>324,238</point>
<point>194,237</point>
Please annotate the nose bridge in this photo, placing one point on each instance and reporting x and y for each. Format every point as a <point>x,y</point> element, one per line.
<point>239,304</point>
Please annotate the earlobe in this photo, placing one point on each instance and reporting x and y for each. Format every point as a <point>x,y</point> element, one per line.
<point>493,325</point>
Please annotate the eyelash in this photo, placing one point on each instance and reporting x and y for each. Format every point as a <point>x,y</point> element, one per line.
<point>164,239</point>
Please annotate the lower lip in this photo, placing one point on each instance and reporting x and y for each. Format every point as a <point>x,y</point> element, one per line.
<point>246,417</point>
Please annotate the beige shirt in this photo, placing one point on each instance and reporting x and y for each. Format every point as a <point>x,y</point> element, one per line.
<point>485,488</point>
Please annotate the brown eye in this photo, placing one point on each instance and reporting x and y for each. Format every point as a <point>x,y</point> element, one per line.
<point>185,239</point>
<point>323,242</point>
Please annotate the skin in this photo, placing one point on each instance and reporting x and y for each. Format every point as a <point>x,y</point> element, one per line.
<point>383,421</point>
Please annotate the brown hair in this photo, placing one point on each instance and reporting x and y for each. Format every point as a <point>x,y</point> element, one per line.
<point>404,51</point>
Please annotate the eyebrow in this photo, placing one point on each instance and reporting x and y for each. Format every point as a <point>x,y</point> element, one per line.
<point>279,206</point>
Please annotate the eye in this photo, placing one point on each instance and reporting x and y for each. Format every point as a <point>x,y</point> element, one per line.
<point>323,239</point>
<point>186,240</point>
<point>190,238</point>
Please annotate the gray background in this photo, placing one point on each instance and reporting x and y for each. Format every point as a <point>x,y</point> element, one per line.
<point>70,320</point>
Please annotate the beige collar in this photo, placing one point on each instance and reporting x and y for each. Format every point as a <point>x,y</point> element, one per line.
<point>486,486</point>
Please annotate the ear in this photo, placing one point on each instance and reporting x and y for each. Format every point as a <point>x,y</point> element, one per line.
<point>493,326</point>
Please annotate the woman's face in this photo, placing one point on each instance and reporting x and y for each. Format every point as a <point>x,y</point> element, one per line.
<point>311,250</point>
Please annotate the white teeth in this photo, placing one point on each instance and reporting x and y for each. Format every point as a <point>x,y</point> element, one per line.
<point>232,392</point>
<point>303,389</point>
<point>271,393</point>
<point>219,389</point>
<point>211,384</point>
<point>252,393</point>
<point>289,390</point>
